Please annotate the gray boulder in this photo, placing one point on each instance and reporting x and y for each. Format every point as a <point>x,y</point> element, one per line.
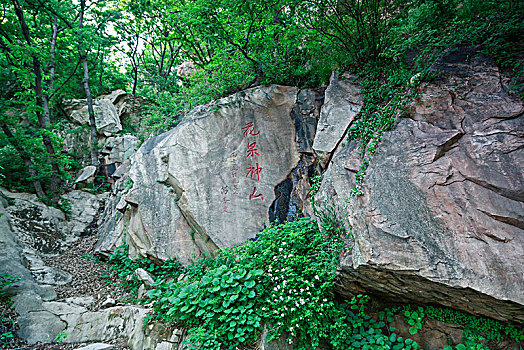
<point>87,174</point>
<point>342,103</point>
<point>35,224</point>
<point>239,148</point>
<point>83,210</point>
<point>144,277</point>
<point>441,216</point>
<point>106,116</point>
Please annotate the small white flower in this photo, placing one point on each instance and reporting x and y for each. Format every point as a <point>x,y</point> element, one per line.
<point>280,249</point>
<point>316,277</point>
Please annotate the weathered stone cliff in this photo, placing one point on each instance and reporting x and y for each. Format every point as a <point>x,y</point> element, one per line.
<point>441,217</point>
<point>211,182</point>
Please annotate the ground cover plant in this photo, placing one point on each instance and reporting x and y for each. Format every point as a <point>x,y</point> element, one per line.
<point>284,282</point>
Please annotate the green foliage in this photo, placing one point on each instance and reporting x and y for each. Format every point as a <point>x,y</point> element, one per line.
<point>61,337</point>
<point>4,339</point>
<point>219,305</point>
<point>490,329</point>
<point>283,280</point>
<point>415,318</point>
<point>124,267</point>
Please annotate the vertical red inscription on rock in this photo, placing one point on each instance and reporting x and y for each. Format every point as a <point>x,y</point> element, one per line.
<point>254,171</point>
<point>249,128</point>
<point>252,149</point>
<point>253,196</point>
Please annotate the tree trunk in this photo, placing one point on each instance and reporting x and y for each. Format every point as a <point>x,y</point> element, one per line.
<point>89,97</point>
<point>92,118</point>
<point>43,118</point>
<point>27,160</point>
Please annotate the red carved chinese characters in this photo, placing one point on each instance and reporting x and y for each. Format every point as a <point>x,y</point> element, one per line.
<point>249,128</point>
<point>252,150</point>
<point>253,196</point>
<point>254,171</point>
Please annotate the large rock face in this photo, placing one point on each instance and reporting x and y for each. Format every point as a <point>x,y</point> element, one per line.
<point>441,219</point>
<point>240,153</point>
<point>209,182</point>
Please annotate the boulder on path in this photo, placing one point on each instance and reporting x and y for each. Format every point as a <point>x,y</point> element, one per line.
<point>82,212</point>
<point>441,218</point>
<point>86,175</point>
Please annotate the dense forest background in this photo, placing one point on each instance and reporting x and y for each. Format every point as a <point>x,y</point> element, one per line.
<point>173,55</point>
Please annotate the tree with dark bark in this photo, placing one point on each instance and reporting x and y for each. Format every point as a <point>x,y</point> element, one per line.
<point>41,103</point>
<point>85,81</point>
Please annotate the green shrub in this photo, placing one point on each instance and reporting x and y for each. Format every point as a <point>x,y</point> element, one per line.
<point>220,303</point>
<point>123,266</point>
<point>284,280</point>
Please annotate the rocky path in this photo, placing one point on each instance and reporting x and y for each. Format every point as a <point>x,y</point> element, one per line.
<point>91,280</point>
